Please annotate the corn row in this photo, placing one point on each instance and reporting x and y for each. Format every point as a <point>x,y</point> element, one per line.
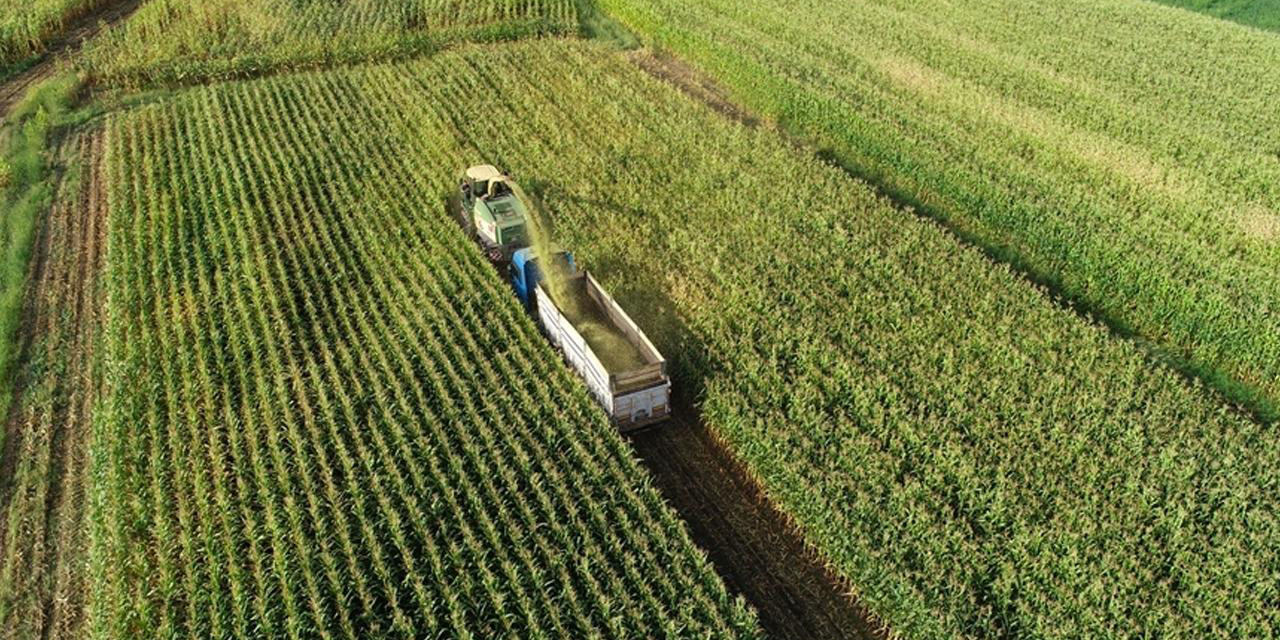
<point>350,427</point>
<point>177,42</point>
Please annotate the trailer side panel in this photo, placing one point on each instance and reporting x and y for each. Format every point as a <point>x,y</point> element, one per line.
<point>632,398</point>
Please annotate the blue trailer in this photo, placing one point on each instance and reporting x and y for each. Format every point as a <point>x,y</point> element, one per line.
<point>525,274</point>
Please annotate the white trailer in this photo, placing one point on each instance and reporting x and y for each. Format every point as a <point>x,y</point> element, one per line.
<point>633,398</point>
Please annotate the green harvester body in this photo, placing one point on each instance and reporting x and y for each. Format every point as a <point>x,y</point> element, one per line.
<point>493,211</point>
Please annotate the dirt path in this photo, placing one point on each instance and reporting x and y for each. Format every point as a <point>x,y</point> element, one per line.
<point>695,84</point>
<point>81,30</point>
<point>45,457</point>
<point>753,546</point>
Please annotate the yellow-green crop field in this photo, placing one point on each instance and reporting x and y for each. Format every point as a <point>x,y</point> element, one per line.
<point>302,344</point>
<point>180,42</point>
<point>971,311</point>
<point>325,414</point>
<point>1126,154</point>
<point>26,26</point>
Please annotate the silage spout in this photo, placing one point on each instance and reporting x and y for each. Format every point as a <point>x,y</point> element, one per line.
<point>553,277</point>
<point>613,349</point>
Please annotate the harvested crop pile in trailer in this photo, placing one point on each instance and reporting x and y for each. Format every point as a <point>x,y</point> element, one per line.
<point>976,459</point>
<point>615,351</point>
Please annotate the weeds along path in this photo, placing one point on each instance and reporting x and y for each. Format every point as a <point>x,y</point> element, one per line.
<point>80,31</point>
<point>755,548</point>
<point>45,459</point>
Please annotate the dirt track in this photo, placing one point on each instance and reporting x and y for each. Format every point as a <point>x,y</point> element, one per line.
<point>756,549</point>
<point>81,30</point>
<point>692,82</point>
<point>45,457</point>
<point>44,462</point>
<point>753,546</point>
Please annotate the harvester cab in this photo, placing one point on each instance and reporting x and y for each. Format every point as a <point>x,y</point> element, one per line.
<point>526,273</point>
<point>493,212</point>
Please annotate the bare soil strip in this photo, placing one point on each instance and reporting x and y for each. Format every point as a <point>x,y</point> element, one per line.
<point>80,31</point>
<point>754,547</point>
<point>692,82</point>
<point>45,458</point>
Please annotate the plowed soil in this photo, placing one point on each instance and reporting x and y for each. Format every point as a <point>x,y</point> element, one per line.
<point>45,458</point>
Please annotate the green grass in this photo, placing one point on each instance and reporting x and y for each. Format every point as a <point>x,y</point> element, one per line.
<point>326,415</point>
<point>974,459</point>
<point>174,42</point>
<point>1263,14</point>
<point>596,25</point>
<point>26,191</point>
<point>48,416</point>
<point>1139,180</point>
<point>12,70</point>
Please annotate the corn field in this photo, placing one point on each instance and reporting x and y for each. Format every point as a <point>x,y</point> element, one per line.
<point>1263,14</point>
<point>181,42</point>
<point>306,352</point>
<point>27,25</point>
<point>327,416</point>
<point>977,460</point>
<point>1126,154</point>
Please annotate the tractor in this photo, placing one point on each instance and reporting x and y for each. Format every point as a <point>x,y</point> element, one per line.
<point>490,210</point>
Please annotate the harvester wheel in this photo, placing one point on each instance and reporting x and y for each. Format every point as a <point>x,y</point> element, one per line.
<point>464,221</point>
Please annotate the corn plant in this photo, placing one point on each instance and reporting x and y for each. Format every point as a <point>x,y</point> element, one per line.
<point>177,42</point>
<point>331,417</point>
<point>1126,154</point>
<point>27,27</point>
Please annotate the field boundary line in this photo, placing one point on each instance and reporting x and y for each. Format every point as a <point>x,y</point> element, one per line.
<point>45,458</point>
